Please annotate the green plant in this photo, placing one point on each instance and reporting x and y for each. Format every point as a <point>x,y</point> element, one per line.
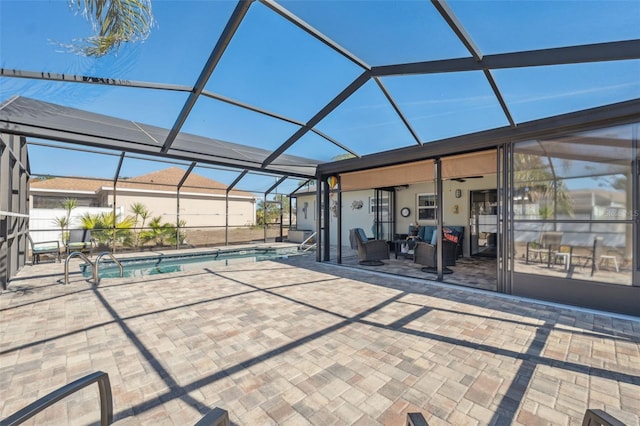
<point>536,176</point>
<point>69,204</point>
<point>160,233</point>
<point>140,210</point>
<point>102,228</point>
<point>181,234</point>
<point>269,211</point>
<point>114,23</point>
<point>63,223</point>
<point>545,212</point>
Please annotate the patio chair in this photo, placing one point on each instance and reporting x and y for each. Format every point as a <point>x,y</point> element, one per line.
<point>564,255</point>
<point>597,258</point>
<point>370,252</point>
<point>426,254</point>
<point>80,240</point>
<point>547,246</point>
<point>43,247</point>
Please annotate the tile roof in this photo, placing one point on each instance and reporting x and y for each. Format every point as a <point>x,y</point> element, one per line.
<point>69,184</point>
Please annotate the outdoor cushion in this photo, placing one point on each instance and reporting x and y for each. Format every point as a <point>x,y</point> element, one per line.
<point>426,232</point>
<point>78,245</point>
<point>434,237</point>
<point>46,248</point>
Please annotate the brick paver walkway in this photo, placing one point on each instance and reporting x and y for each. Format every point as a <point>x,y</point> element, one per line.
<point>297,342</point>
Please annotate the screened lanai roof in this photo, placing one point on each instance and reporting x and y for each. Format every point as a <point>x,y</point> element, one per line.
<point>297,80</point>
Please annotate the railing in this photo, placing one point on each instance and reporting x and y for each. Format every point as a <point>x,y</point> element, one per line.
<point>595,417</point>
<point>76,254</point>
<point>416,419</point>
<point>94,265</point>
<point>179,237</point>
<point>96,275</point>
<point>106,401</point>
<point>215,417</point>
<point>309,238</point>
<point>592,417</point>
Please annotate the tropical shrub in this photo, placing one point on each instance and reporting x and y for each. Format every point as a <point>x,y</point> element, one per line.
<point>160,233</point>
<point>102,224</point>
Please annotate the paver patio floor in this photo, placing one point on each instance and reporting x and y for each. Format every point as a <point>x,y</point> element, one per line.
<point>296,342</point>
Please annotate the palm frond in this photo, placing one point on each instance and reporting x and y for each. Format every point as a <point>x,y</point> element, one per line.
<point>114,22</point>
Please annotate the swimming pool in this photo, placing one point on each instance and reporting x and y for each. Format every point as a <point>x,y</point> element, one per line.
<point>162,264</point>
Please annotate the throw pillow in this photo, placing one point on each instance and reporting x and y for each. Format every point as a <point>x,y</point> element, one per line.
<point>434,237</point>
<point>452,236</point>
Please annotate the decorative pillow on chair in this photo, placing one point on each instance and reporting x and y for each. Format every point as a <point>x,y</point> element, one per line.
<point>451,235</point>
<point>434,237</point>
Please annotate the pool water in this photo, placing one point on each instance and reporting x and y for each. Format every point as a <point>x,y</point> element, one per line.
<point>163,264</point>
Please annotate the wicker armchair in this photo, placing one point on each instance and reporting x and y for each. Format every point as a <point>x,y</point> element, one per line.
<point>426,254</point>
<point>370,252</point>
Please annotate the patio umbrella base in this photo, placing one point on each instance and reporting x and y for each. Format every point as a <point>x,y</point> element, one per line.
<point>371,263</point>
<point>433,270</point>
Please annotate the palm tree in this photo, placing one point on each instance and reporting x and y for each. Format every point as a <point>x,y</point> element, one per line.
<point>159,232</point>
<point>140,210</point>
<point>102,226</point>
<point>266,212</point>
<point>62,222</point>
<point>537,178</point>
<point>114,22</point>
<point>69,204</point>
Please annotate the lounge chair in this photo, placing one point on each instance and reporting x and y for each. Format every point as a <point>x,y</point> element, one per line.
<point>43,247</point>
<point>80,240</point>
<point>370,252</point>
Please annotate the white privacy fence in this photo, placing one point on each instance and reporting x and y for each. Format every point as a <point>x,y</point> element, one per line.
<point>42,222</point>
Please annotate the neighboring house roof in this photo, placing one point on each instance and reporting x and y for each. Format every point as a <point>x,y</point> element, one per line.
<point>161,180</point>
<point>69,184</point>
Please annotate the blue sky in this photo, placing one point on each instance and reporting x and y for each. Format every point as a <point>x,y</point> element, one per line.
<point>273,65</point>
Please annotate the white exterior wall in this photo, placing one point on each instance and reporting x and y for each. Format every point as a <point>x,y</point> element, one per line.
<point>456,210</point>
<point>351,217</point>
<point>195,209</point>
<point>354,217</point>
<point>409,198</point>
<point>306,212</point>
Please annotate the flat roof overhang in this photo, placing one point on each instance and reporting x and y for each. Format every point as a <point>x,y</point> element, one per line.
<point>589,119</point>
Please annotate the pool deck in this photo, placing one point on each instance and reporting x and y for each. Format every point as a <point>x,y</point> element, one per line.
<point>296,342</point>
